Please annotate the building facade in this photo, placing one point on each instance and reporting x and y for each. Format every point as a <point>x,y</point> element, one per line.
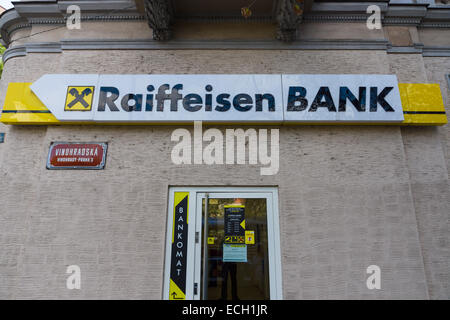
<point>346,196</point>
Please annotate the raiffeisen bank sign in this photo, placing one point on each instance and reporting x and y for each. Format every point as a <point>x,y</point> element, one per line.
<point>313,99</point>
<point>221,98</point>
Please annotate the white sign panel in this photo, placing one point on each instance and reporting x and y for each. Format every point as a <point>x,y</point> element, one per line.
<point>342,98</point>
<point>220,98</point>
<point>163,98</point>
<point>54,89</point>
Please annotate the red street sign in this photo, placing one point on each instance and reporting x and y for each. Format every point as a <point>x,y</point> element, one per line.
<point>76,155</point>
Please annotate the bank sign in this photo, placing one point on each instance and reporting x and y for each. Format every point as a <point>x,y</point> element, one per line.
<point>230,98</point>
<point>221,98</point>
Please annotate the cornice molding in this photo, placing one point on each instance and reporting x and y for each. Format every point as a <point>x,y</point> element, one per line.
<point>436,52</point>
<point>145,44</point>
<point>11,21</point>
<point>17,51</point>
<point>324,18</point>
<point>59,8</point>
<point>437,17</point>
<point>26,14</point>
<point>62,20</point>
<point>421,15</point>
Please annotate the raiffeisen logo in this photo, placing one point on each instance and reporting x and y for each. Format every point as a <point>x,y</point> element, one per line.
<point>79,98</point>
<point>170,97</point>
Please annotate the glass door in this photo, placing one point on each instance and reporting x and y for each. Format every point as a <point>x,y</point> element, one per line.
<point>222,244</point>
<point>236,258</point>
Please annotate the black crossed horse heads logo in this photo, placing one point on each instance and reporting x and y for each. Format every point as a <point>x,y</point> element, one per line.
<point>79,98</point>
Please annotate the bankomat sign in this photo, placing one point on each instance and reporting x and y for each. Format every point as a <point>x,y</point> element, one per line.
<point>220,98</point>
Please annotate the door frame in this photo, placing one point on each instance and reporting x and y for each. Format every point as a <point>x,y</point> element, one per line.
<point>195,236</point>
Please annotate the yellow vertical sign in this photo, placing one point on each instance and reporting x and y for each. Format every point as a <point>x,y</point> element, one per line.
<point>177,286</point>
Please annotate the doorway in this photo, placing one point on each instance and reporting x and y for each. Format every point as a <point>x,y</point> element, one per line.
<point>223,244</point>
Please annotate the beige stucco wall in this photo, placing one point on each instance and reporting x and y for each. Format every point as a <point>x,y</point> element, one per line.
<point>349,196</point>
<point>434,36</point>
<point>434,222</point>
<point>196,30</point>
